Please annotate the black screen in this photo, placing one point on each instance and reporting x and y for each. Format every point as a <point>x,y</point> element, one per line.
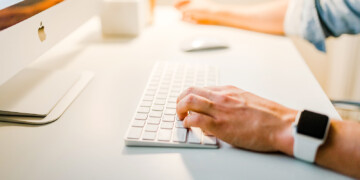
<point>312,124</point>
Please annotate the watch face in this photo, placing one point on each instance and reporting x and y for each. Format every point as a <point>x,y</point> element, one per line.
<point>312,124</point>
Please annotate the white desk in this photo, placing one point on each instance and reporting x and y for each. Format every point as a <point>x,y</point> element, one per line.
<point>87,142</point>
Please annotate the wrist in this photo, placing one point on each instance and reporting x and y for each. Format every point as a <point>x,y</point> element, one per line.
<point>284,139</point>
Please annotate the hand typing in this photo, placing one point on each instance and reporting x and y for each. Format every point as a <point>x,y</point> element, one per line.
<point>238,117</point>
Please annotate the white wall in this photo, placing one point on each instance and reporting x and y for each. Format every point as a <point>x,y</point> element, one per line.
<point>338,71</point>
<point>343,73</point>
<point>356,89</point>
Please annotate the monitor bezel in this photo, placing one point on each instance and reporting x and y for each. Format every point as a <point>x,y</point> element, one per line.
<point>20,44</point>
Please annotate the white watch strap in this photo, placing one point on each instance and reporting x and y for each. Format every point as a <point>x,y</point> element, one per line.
<point>305,147</point>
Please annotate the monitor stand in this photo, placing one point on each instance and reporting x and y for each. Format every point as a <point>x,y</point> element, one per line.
<point>41,101</point>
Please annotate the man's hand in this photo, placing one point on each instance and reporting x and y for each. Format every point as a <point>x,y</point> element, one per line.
<point>267,17</point>
<point>251,122</point>
<point>198,11</point>
<point>238,118</point>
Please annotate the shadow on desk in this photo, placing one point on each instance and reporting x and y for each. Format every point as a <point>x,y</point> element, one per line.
<point>232,163</point>
<point>97,38</point>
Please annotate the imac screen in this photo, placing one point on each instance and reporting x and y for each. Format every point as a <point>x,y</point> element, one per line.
<point>15,11</point>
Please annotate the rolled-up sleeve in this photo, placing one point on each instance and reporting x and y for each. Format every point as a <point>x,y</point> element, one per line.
<point>315,20</point>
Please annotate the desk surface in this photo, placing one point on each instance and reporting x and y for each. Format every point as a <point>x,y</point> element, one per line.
<point>87,142</point>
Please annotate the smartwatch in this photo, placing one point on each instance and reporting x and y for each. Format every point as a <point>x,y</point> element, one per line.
<point>310,130</point>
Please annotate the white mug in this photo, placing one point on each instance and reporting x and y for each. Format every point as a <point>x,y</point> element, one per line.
<point>123,17</point>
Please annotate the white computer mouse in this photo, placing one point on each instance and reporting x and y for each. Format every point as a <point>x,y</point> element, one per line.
<point>203,43</point>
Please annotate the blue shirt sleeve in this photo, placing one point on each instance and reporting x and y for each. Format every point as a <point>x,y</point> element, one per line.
<point>319,19</point>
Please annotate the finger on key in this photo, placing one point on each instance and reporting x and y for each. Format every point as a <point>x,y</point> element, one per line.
<point>223,88</point>
<point>202,121</point>
<point>215,88</point>
<point>196,91</point>
<point>194,103</point>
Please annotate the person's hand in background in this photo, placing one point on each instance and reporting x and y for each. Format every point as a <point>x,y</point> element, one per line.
<point>238,117</point>
<point>266,17</point>
<point>198,11</point>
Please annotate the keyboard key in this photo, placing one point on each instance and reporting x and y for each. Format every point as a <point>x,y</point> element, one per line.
<point>195,135</point>
<point>164,135</point>
<point>179,124</point>
<point>166,82</point>
<point>161,96</point>
<point>200,84</point>
<point>211,140</point>
<point>138,123</point>
<point>160,102</point>
<point>167,76</point>
<point>170,112</point>
<point>167,125</point>
<point>153,120</point>
<point>140,116</point>
<point>157,108</point>
<point>134,133</point>
<point>162,91</point>
<point>176,90</point>
<point>172,100</point>
<point>165,87</point>
<point>171,106</point>
<point>149,135</point>
<point>156,114</point>
<point>176,85</point>
<point>189,79</point>
<point>168,118</point>
<point>143,110</point>
<point>174,95</point>
<point>188,84</point>
<point>148,98</point>
<point>177,82</point>
<point>211,81</point>
<point>146,104</point>
<point>179,135</point>
<point>151,127</point>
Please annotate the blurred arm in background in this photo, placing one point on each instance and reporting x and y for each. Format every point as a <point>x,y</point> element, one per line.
<point>265,17</point>
<point>313,20</point>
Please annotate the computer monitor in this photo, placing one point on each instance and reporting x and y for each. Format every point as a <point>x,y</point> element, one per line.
<point>28,28</point>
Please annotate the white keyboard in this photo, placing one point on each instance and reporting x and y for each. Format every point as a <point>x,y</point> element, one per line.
<point>155,122</point>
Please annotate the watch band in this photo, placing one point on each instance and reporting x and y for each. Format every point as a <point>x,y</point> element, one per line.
<point>305,148</point>
<point>307,144</point>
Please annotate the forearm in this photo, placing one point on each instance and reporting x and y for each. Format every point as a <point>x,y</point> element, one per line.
<point>340,152</point>
<point>265,17</point>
